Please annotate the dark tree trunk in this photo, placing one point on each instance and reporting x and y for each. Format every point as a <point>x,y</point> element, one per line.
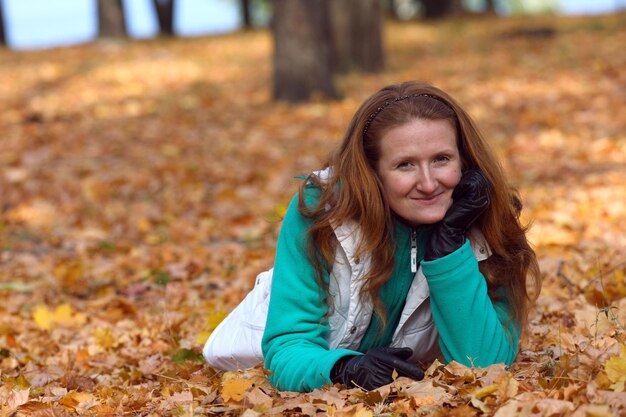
<point>357,35</point>
<point>3,36</point>
<point>436,9</point>
<point>165,15</point>
<point>367,36</point>
<point>302,51</point>
<point>490,6</point>
<point>341,48</point>
<point>246,14</point>
<point>456,7</point>
<point>111,22</point>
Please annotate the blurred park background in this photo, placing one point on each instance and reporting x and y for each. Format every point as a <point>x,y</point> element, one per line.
<point>144,174</point>
<point>35,24</point>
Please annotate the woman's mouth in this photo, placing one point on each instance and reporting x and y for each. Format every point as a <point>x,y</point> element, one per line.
<point>431,199</point>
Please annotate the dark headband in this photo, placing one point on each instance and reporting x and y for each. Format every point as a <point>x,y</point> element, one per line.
<point>390,102</point>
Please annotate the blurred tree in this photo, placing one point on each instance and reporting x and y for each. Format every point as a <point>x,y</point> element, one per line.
<point>165,16</point>
<point>357,35</point>
<point>111,23</point>
<point>3,36</point>
<point>254,13</point>
<point>302,50</point>
<point>436,9</point>
<point>246,14</point>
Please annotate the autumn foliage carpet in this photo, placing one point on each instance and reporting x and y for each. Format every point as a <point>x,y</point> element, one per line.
<point>142,186</point>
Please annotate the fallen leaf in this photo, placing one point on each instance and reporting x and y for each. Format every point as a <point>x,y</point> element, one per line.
<point>76,399</point>
<point>17,398</point>
<point>615,368</point>
<point>235,389</point>
<point>43,317</point>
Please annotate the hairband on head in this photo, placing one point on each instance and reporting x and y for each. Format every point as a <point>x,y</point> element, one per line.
<point>390,102</point>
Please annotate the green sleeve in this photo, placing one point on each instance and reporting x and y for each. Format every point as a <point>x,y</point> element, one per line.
<point>295,347</point>
<point>472,329</point>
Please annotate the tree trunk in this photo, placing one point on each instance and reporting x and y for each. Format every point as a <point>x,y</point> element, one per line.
<point>111,22</point>
<point>302,51</point>
<point>490,6</point>
<point>436,9</point>
<point>3,35</point>
<point>456,8</point>
<point>341,48</point>
<point>246,14</point>
<point>165,15</point>
<point>367,35</point>
<point>357,35</point>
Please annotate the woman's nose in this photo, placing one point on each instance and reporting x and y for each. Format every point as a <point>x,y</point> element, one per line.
<point>426,182</point>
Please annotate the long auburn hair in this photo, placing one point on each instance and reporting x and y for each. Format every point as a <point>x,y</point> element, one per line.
<point>353,192</point>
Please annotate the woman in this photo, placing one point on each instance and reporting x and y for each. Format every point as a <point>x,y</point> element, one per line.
<point>405,248</point>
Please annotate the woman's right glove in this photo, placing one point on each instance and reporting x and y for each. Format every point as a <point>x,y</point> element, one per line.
<point>375,368</point>
<point>470,199</point>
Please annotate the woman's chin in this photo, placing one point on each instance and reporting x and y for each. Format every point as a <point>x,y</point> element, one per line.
<point>425,219</point>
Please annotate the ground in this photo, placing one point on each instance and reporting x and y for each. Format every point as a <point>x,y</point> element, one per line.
<point>142,186</point>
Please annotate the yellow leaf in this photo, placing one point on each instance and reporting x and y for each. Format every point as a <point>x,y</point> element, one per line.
<point>63,313</point>
<point>75,398</point>
<point>484,391</point>
<point>65,316</point>
<point>480,405</point>
<point>480,393</point>
<point>213,320</point>
<point>42,317</point>
<point>104,337</point>
<point>364,412</point>
<point>615,369</point>
<point>202,337</point>
<point>235,389</point>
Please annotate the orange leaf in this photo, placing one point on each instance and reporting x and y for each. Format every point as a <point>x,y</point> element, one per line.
<point>235,389</point>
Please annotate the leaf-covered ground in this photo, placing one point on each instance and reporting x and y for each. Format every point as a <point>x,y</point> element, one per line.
<point>142,186</point>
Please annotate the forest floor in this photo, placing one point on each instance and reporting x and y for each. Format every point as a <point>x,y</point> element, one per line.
<point>142,186</point>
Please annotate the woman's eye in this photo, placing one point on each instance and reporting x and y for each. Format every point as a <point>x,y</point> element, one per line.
<point>442,158</point>
<point>404,164</point>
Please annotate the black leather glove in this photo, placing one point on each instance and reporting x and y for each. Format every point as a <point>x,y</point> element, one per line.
<point>375,368</point>
<point>470,199</point>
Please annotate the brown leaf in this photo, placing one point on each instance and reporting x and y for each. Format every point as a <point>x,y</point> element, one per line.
<point>37,409</point>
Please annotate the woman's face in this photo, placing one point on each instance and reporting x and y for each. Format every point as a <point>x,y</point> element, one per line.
<point>419,167</point>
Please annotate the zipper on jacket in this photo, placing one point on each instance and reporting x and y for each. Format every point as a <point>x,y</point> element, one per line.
<point>413,250</point>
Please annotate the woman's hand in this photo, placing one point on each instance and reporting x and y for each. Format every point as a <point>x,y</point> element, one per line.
<point>471,197</point>
<point>375,368</point>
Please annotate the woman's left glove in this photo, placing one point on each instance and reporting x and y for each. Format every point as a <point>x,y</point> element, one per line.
<point>470,199</point>
<point>375,368</point>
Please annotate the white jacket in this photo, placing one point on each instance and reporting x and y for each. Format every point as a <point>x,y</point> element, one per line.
<point>236,342</point>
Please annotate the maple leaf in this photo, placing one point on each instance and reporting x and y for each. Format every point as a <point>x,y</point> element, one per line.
<point>615,368</point>
<point>235,389</point>
<point>43,317</point>
<point>76,400</point>
<point>63,315</point>
<point>104,338</point>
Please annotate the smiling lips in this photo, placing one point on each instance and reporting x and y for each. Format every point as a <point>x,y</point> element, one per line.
<point>427,200</point>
